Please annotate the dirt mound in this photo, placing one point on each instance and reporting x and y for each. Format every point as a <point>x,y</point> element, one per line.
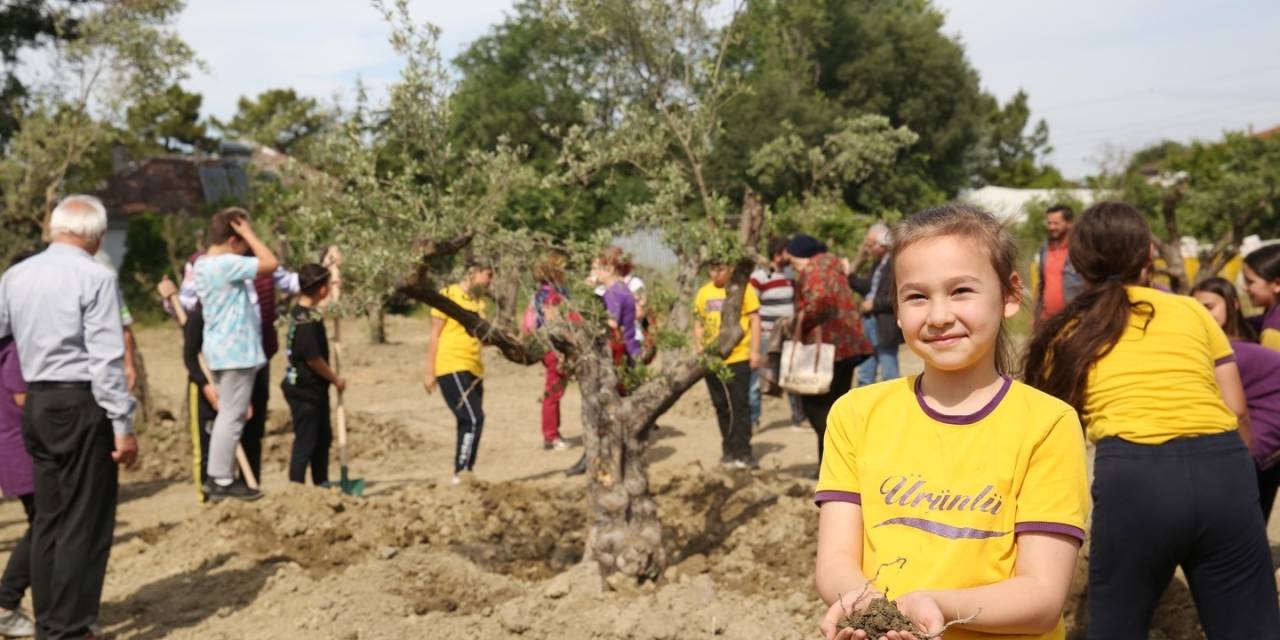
<point>167,453</point>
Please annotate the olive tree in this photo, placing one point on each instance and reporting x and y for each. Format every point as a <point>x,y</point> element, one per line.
<point>403,203</point>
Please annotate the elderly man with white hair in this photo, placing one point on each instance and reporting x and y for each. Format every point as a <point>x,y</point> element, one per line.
<point>879,322</point>
<point>63,310</point>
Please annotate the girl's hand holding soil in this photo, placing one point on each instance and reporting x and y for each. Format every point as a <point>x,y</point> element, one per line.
<point>923,611</point>
<point>847,605</point>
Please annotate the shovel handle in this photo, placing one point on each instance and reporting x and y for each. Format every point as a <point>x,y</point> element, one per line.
<point>245,470</point>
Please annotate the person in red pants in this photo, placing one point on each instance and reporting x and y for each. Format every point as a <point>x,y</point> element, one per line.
<point>551,294</point>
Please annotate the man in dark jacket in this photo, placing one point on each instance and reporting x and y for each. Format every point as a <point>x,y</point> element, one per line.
<point>878,320</point>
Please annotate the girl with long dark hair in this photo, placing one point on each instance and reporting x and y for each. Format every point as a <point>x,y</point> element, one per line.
<point>1156,384</point>
<point>1260,373</point>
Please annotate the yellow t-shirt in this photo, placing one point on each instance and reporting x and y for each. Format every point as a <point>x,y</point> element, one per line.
<point>1158,383</point>
<point>458,350</point>
<point>950,493</point>
<point>706,307</point>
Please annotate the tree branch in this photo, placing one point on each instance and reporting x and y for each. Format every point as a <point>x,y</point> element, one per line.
<point>419,285</point>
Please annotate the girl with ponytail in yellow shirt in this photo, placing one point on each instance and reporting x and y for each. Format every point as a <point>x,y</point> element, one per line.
<point>959,493</point>
<point>1156,382</point>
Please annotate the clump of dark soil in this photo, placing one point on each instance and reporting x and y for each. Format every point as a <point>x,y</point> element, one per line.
<point>878,618</point>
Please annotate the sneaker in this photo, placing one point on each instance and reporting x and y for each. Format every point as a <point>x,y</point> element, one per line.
<point>558,444</point>
<point>726,461</point>
<point>748,462</point>
<point>15,624</point>
<point>579,468</point>
<point>237,490</point>
<point>455,481</point>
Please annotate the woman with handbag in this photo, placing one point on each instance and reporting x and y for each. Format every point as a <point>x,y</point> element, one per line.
<point>825,315</point>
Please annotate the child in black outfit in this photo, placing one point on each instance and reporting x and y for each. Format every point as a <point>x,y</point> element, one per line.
<point>307,379</point>
<point>202,397</point>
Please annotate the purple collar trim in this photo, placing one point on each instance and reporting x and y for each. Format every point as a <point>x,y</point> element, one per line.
<point>963,419</point>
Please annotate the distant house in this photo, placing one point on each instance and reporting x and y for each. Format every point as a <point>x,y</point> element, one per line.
<point>178,185</point>
<point>1010,204</point>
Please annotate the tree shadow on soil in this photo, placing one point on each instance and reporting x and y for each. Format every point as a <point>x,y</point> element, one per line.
<point>185,600</point>
<point>783,423</point>
<point>716,528</point>
<point>139,490</point>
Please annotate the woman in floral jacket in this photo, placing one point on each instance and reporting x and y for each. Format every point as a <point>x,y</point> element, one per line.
<point>825,301</point>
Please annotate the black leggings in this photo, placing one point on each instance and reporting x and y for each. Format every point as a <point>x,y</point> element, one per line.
<point>1268,482</point>
<point>1190,502</point>
<point>732,402</point>
<point>816,408</point>
<point>464,393</point>
<point>312,435</point>
<point>17,573</point>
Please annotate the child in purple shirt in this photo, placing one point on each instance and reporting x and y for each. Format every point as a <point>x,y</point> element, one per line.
<point>1260,374</point>
<point>16,480</point>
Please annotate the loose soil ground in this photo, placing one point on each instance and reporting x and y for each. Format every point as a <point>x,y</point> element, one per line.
<point>417,557</point>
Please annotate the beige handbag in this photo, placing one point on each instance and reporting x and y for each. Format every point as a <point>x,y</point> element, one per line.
<point>807,369</point>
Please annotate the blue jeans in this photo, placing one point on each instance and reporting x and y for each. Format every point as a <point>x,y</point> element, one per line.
<point>885,357</point>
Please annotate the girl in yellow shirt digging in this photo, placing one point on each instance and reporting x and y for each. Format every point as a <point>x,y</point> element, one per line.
<point>960,494</point>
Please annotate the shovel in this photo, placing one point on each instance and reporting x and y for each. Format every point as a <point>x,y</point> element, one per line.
<point>350,486</point>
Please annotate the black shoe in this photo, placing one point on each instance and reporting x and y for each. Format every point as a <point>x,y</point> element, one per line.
<point>579,468</point>
<point>237,490</point>
<point>726,461</point>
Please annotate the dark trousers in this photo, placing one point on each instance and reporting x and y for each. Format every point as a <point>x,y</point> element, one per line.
<point>1191,502</point>
<point>69,437</point>
<point>200,416</point>
<point>312,435</point>
<point>17,573</point>
<point>817,407</point>
<point>1268,482</point>
<point>464,393</point>
<point>256,427</point>
<point>732,400</point>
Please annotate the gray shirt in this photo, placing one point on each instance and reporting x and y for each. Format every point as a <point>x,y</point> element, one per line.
<point>63,310</point>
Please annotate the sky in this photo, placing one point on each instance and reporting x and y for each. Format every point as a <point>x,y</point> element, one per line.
<point>1108,76</point>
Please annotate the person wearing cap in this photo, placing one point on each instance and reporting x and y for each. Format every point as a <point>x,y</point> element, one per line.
<point>879,322</point>
<point>825,306</point>
<point>62,309</point>
<point>453,365</point>
<point>307,378</point>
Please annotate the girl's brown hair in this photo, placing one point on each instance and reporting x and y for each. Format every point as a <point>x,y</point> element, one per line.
<point>617,259</point>
<point>1237,326</point>
<point>1110,248</point>
<point>987,234</point>
<point>550,269</point>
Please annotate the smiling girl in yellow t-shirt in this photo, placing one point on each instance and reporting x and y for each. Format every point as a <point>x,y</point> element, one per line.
<point>976,481</point>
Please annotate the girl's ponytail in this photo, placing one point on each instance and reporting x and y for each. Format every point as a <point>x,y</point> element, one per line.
<point>1110,247</point>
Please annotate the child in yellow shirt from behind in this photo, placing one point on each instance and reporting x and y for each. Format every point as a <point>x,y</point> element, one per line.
<point>975,480</point>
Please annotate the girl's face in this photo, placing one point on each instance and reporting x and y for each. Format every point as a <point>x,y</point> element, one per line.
<point>1216,305</point>
<point>1262,293</point>
<point>951,302</point>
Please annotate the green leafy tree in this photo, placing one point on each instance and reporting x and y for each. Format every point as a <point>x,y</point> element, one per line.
<point>278,118</point>
<point>1010,156</point>
<point>523,85</point>
<point>1218,192</point>
<point>121,50</point>
<point>809,62</point>
<point>28,24</point>
<point>169,119</point>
